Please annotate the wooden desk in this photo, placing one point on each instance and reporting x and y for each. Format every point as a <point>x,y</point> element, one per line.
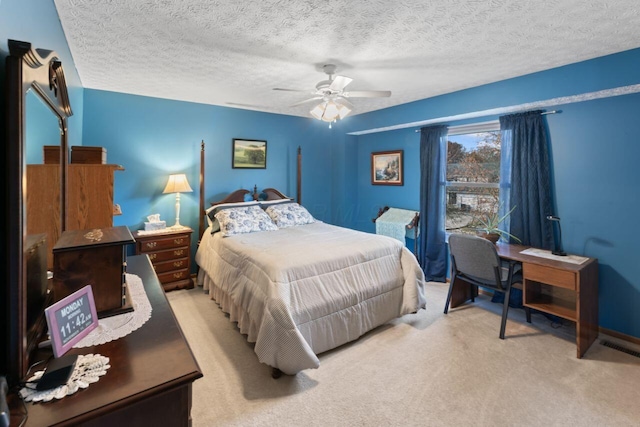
<point>560,288</point>
<point>150,379</point>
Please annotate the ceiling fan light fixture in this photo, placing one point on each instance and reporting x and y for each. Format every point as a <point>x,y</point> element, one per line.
<point>330,111</point>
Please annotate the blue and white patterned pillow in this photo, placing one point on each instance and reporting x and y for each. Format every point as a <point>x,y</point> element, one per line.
<point>289,215</point>
<point>214,209</point>
<point>244,220</point>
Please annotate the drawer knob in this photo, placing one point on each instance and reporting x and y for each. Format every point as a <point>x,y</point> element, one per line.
<point>178,241</point>
<point>151,245</point>
<point>178,253</point>
<point>177,275</point>
<point>178,263</point>
<point>153,256</point>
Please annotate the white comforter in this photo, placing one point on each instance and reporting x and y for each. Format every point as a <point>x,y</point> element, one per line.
<point>300,291</point>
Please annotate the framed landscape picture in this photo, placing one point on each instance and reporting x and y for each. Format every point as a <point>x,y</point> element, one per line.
<point>249,154</point>
<point>387,168</point>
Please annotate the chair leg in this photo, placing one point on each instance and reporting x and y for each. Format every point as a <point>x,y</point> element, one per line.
<point>505,311</point>
<point>446,305</point>
<point>527,311</point>
<point>472,291</point>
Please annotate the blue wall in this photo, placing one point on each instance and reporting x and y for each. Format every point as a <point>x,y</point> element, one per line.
<point>594,146</point>
<point>595,150</point>
<point>37,22</point>
<point>153,138</point>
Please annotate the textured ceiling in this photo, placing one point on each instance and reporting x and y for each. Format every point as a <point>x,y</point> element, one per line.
<point>233,53</point>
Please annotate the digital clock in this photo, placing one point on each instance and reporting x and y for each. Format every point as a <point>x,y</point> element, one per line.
<point>71,319</point>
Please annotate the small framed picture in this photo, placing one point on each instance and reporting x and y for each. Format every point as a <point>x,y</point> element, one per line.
<point>387,168</point>
<point>249,154</point>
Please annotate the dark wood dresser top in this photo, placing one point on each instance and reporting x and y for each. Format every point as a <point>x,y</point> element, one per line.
<point>152,360</point>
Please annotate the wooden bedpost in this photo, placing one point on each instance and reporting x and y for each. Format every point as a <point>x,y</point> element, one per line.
<point>202,210</point>
<point>299,178</point>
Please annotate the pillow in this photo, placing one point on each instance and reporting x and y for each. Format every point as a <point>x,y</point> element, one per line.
<point>214,209</point>
<point>246,219</point>
<point>266,203</point>
<point>289,214</point>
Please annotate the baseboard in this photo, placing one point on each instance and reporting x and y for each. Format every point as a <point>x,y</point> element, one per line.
<point>620,336</point>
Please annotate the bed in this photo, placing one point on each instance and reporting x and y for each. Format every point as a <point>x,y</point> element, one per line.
<point>302,287</point>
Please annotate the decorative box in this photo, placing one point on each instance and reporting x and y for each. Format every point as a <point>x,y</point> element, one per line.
<point>95,257</point>
<point>156,225</point>
<point>88,155</point>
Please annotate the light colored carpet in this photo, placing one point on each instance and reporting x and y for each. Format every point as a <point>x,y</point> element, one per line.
<point>425,369</point>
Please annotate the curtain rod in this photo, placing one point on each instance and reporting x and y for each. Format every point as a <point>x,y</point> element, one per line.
<point>542,114</point>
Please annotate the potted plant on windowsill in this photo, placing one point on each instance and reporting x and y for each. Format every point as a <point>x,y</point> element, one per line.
<point>490,226</point>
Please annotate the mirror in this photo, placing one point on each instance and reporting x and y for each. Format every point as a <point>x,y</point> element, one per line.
<point>42,153</point>
<point>37,108</point>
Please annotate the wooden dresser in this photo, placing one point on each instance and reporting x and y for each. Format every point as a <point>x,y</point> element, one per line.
<point>149,382</point>
<point>170,254</point>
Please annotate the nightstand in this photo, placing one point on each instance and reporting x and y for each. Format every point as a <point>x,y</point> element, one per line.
<point>170,254</point>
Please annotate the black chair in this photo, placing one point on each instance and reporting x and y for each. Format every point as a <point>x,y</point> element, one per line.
<point>475,260</point>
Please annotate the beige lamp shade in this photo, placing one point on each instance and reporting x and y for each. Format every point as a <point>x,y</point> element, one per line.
<point>178,184</point>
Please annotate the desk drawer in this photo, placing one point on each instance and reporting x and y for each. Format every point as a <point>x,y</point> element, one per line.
<point>549,275</point>
<point>164,243</point>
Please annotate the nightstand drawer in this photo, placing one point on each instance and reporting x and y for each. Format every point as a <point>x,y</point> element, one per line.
<point>173,276</point>
<point>160,256</point>
<point>164,243</point>
<point>174,264</point>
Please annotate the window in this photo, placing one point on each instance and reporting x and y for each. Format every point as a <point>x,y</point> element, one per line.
<point>473,175</point>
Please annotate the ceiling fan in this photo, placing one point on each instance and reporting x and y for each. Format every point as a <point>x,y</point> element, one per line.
<point>333,98</point>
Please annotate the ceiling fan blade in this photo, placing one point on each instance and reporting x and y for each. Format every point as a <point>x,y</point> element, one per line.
<point>342,101</point>
<point>339,83</point>
<point>367,94</point>
<point>306,100</point>
<point>290,90</point>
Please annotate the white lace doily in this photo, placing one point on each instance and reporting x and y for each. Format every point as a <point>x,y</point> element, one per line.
<point>88,370</point>
<point>114,327</point>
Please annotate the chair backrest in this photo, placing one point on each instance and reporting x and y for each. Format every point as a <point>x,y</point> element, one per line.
<point>474,256</point>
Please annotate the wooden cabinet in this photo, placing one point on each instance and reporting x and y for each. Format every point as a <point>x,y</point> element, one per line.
<point>94,257</point>
<point>170,254</point>
<point>89,199</point>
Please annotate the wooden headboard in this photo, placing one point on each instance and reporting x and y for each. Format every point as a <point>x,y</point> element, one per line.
<point>239,195</point>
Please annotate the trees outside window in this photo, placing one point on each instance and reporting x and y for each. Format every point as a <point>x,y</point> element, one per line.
<point>473,178</point>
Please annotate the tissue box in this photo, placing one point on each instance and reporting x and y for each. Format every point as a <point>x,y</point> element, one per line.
<point>156,225</point>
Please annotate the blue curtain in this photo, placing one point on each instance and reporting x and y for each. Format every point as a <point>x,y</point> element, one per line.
<point>432,250</point>
<point>526,178</point>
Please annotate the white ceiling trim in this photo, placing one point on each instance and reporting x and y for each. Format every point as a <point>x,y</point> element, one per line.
<point>553,102</point>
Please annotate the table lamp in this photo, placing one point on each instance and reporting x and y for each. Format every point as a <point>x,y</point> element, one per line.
<point>177,184</point>
<point>557,238</point>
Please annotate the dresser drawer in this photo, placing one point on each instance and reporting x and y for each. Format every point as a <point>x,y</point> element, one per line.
<point>173,276</point>
<point>160,256</point>
<point>176,264</point>
<point>164,243</point>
